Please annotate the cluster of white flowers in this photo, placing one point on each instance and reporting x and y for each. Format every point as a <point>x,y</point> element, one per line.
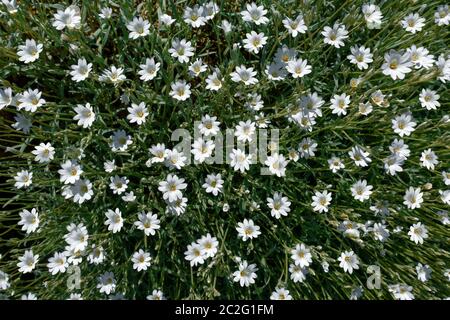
<point>97,147</point>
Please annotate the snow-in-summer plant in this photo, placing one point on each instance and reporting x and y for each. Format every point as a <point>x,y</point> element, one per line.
<point>136,157</point>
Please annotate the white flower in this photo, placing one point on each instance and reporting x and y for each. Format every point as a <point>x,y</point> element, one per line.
<point>443,66</point>
<point>202,149</point>
<point>22,123</point>
<point>11,6</point>
<point>194,16</point>
<point>75,296</point>
<point>254,41</point>
<point>114,220</point>
<point>4,281</point>
<point>97,255</point>
<point>226,26</point>
<point>27,262</point>
<point>171,188</point>
<point>159,153</point>
<point>254,102</point>
<point>239,160</point>
<point>214,81</point>
<point>429,99</point>
<point>399,148</point>
<point>372,15</point>
<point>277,164</point>
<point>156,295</point>
<point>57,263</point>
<point>296,26</point>
<point>418,232</point>
<point>69,18</point>
<point>393,164</point>
<point>263,122</point>
<point>442,15</point>
<point>298,274</point>
<point>120,141</point>
<point>356,293</point>
<point>413,198</point>
<point>413,23</point>
<point>138,113</point>
<point>106,13</point>
<point>428,159</point>
<point>349,229</point>
<point>70,172</point>
<point>44,152</point>
<point>138,28</point>
<point>141,260</point>
<point>210,9</point>
<point>280,294</point>
<point>23,179</point>
<point>106,283</point>
<point>118,184</point>
<point>335,164</point>
<point>423,272</point>
<point>255,14</point>
<point>276,71</point>
<point>245,75</point>
<point>349,261</point>
<point>335,36</point>
<point>81,191</point>
<point>195,254</point>
<point>213,184</point>
<point>29,52</point>
<point>149,69</point>
<point>403,125</point>
<point>29,220</point>
<point>81,70</point>
<point>208,245</point>
<point>113,75</point>
<point>307,148</point>
<point>401,292</point>
<point>361,57</point>
<point>380,232</point>
<point>361,191</point>
<point>420,57</point>
<point>175,159</point>
<point>129,197</point>
<point>247,230</point>
<point>182,50</point>
<point>246,274</point>
<point>85,115</point>
<point>5,97</point>
<point>279,205</point>
<point>209,126</point>
<point>298,68</point>
<point>28,296</point>
<point>166,20</point>
<point>321,201</point>
<point>445,196</point>
<point>180,90</point>
<point>176,207</point>
<point>245,131</point>
<point>378,98</point>
<point>77,237</point>
<point>30,100</point>
<point>446,177</point>
<point>360,156</point>
<point>339,104</point>
<point>396,64</point>
<point>301,255</point>
<point>197,67</point>
<point>148,222</point>
<point>284,54</point>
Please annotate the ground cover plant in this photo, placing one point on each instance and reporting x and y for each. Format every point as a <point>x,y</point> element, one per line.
<point>224,150</point>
